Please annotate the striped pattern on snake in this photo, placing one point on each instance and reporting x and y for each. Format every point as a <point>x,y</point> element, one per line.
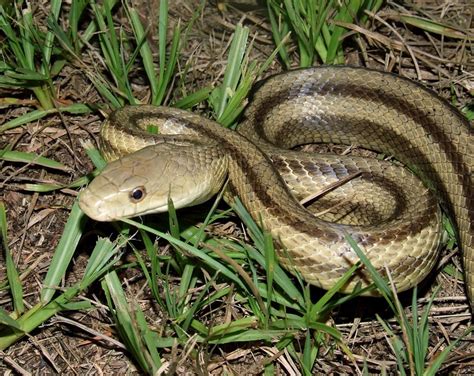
<point>191,157</point>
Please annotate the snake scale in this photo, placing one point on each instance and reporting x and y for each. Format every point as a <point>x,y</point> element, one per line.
<point>388,211</point>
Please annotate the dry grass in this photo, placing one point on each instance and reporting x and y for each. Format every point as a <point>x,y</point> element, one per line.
<point>85,342</point>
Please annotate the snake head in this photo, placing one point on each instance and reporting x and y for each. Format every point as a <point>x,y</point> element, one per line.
<point>142,182</point>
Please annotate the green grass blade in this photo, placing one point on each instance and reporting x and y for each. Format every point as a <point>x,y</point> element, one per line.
<point>398,347</point>
<point>280,277</point>
<point>193,99</point>
<point>249,335</point>
<point>92,27</point>
<point>270,261</point>
<point>278,33</point>
<point>39,314</point>
<point>436,27</point>
<point>434,366</point>
<point>187,283</point>
<point>96,157</point>
<point>173,219</point>
<point>102,255</point>
<point>49,39</point>
<point>26,32</point>
<point>145,50</point>
<point>190,313</point>
<point>64,252</point>
<point>170,66</point>
<point>31,158</point>
<point>12,273</point>
<point>42,188</point>
<point>155,273</point>
<point>6,320</point>
<point>128,322</point>
<point>377,278</point>
<point>220,95</point>
<point>75,16</point>
<point>323,304</point>
<point>162,33</point>
<point>34,115</point>
<point>190,249</point>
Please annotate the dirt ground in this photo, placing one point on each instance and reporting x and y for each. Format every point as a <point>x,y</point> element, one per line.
<point>36,221</point>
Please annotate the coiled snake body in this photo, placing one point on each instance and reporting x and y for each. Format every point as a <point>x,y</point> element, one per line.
<point>388,211</point>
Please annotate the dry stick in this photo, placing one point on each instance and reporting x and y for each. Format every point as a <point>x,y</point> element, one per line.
<point>466,316</point>
<point>283,357</point>
<point>9,361</point>
<point>59,133</point>
<point>399,46</point>
<point>95,333</point>
<point>456,359</point>
<point>407,46</point>
<point>375,362</point>
<point>44,352</point>
<point>260,22</point>
<point>433,43</point>
<point>329,188</point>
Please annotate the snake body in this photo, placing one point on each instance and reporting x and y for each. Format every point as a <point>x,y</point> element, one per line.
<point>191,157</point>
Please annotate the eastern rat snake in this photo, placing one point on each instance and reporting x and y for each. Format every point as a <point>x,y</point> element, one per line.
<point>191,157</point>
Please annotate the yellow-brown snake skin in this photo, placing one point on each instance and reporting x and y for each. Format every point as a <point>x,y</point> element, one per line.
<point>388,211</point>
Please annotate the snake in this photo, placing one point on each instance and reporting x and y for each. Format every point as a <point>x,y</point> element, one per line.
<point>391,201</point>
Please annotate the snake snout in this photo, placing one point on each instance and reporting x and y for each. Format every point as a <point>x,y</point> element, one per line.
<point>92,206</point>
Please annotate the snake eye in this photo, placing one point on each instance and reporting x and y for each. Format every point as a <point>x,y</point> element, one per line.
<point>137,194</point>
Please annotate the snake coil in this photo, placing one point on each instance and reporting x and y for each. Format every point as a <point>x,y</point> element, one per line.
<point>396,220</point>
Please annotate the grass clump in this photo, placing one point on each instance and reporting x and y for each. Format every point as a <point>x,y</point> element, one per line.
<point>313,26</point>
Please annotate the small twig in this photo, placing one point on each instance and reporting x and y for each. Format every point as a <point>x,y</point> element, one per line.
<point>330,188</point>
<point>45,352</point>
<point>9,361</point>
<point>407,46</point>
<point>95,333</point>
